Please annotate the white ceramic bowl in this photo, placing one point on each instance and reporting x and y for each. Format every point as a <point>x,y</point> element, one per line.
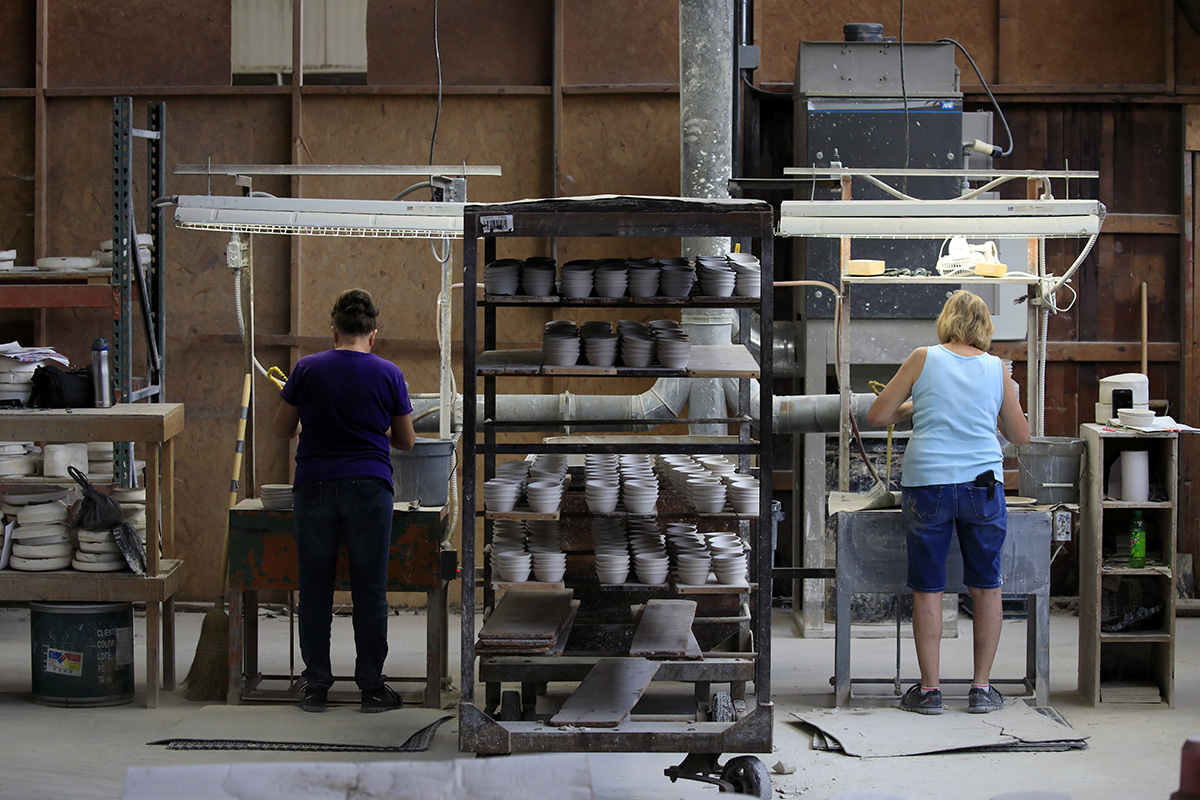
<point>1136,417</point>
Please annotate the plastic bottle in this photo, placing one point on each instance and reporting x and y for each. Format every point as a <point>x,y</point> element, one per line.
<point>101,382</point>
<point>1137,541</point>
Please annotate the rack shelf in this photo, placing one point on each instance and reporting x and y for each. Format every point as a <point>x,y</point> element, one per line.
<point>1145,655</point>
<point>605,625</point>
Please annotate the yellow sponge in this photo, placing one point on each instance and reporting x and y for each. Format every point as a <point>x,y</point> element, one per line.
<point>991,269</point>
<point>864,266</point>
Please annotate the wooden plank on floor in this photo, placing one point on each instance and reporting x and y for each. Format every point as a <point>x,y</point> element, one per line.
<point>663,630</point>
<point>609,692</point>
<point>528,615</point>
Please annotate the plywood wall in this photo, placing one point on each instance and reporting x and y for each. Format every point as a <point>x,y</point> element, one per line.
<point>567,97</point>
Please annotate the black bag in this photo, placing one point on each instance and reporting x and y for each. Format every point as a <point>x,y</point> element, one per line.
<point>97,511</point>
<point>57,388</point>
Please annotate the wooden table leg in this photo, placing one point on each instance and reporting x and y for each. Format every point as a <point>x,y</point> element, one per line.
<point>236,635</point>
<point>152,648</point>
<point>168,643</point>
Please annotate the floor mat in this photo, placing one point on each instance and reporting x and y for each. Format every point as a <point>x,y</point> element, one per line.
<point>879,732</point>
<point>221,727</point>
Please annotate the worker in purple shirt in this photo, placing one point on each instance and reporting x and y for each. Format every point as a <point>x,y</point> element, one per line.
<point>956,395</point>
<point>348,405</point>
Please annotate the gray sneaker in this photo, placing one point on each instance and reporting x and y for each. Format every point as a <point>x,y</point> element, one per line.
<point>981,702</point>
<point>921,702</point>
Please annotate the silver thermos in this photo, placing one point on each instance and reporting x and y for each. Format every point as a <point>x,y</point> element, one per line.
<point>101,382</point>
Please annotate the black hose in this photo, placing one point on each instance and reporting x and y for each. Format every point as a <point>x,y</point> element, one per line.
<point>992,97</point>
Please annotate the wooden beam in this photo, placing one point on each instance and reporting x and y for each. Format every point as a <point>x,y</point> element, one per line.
<point>1094,352</point>
<point>556,110</point>
<point>1171,224</point>
<point>1189,379</point>
<point>1008,45</point>
<point>1191,134</point>
<point>1168,50</point>
<point>40,126</point>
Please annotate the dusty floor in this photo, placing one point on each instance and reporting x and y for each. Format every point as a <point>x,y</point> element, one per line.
<point>1133,752</point>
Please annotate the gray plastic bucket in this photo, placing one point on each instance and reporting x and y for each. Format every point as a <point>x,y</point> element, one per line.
<point>422,475</point>
<point>82,653</point>
<point>1049,468</point>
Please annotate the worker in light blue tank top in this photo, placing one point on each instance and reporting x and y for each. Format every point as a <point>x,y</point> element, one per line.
<point>956,396</point>
<point>348,405</point>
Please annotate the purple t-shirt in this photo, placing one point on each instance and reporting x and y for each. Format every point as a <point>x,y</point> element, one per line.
<point>347,400</point>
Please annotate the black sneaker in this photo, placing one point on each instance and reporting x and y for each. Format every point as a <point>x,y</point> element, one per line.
<point>382,699</point>
<point>921,702</point>
<point>984,702</point>
<point>313,699</point>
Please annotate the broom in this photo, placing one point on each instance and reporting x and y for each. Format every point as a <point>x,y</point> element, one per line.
<point>208,677</point>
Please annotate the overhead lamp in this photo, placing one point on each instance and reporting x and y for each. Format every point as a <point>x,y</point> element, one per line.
<point>396,219</point>
<point>904,219</point>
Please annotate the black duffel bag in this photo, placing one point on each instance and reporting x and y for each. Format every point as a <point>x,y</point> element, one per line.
<point>57,388</point>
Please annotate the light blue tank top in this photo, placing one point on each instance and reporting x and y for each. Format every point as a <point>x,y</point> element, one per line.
<point>956,402</point>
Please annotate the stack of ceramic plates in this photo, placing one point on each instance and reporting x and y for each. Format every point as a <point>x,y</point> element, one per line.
<point>100,461</point>
<point>277,496</point>
<point>105,252</point>
<point>17,458</point>
<point>502,276</point>
<point>575,278</point>
<point>537,276</point>
<point>41,538</point>
<point>16,380</point>
<point>56,458</point>
<point>67,263</point>
<point>8,259</point>
<point>98,551</point>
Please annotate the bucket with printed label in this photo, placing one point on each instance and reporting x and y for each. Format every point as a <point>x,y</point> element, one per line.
<point>82,653</point>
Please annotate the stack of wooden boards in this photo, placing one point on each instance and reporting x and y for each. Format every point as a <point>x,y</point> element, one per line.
<point>529,622</point>
<point>605,698</point>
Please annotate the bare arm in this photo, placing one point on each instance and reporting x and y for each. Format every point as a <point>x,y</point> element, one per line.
<point>287,420</point>
<point>402,436</point>
<point>893,404</point>
<point>1013,424</point>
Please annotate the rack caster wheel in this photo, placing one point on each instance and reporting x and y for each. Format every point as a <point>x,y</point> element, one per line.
<point>720,708</point>
<point>747,775</point>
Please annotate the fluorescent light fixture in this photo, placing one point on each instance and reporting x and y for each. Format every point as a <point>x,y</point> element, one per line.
<point>902,219</point>
<point>320,217</point>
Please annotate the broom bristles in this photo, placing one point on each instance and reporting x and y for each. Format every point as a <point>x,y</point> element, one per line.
<point>208,677</point>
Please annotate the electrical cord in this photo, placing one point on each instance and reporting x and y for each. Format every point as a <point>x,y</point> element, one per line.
<point>437,54</point>
<point>986,88</point>
<point>413,188</point>
<point>762,91</point>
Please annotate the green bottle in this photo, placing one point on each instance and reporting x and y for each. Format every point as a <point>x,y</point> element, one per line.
<point>1137,541</point>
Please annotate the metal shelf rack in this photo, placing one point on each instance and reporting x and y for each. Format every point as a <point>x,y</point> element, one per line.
<point>484,727</point>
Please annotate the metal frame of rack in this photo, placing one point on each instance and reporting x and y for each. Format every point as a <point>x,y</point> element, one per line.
<point>132,280</point>
<point>618,217</point>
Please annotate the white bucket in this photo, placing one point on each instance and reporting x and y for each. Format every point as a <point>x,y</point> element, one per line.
<point>1049,468</point>
<point>421,476</point>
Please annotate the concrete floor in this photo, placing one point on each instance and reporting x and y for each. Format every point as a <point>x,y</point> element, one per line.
<point>1133,752</point>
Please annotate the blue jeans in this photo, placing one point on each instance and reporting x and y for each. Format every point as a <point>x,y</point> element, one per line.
<point>931,513</point>
<point>357,511</point>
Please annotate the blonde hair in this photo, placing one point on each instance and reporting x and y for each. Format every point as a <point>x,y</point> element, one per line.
<point>965,319</point>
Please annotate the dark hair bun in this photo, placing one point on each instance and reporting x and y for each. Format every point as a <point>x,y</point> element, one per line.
<point>354,312</point>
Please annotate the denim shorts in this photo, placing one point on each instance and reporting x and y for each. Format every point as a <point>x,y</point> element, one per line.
<point>931,514</point>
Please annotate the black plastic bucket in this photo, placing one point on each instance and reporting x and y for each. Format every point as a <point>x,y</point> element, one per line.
<point>82,653</point>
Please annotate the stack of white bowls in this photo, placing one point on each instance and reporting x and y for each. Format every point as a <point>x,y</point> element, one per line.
<point>672,348</point>
<point>637,344</point>
<point>742,492</point>
<point>610,278</point>
<point>501,493</point>
<point>560,343</point>
<point>599,347</point>
<point>718,465</point>
<point>676,280</point>
<point>706,494</point>
<point>41,538</point>
<point>277,495</point>
<point>548,466</point>
<point>508,535</point>
<point>502,276</point>
<point>537,276</point>
<point>602,483</point>
<point>650,562</point>
<point>512,566</point>
<point>575,278</point>
<point>717,278</point>
<point>643,278</point>
<point>611,548</point>
<point>728,557</point>
<point>544,496</point>
<point>748,282</point>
